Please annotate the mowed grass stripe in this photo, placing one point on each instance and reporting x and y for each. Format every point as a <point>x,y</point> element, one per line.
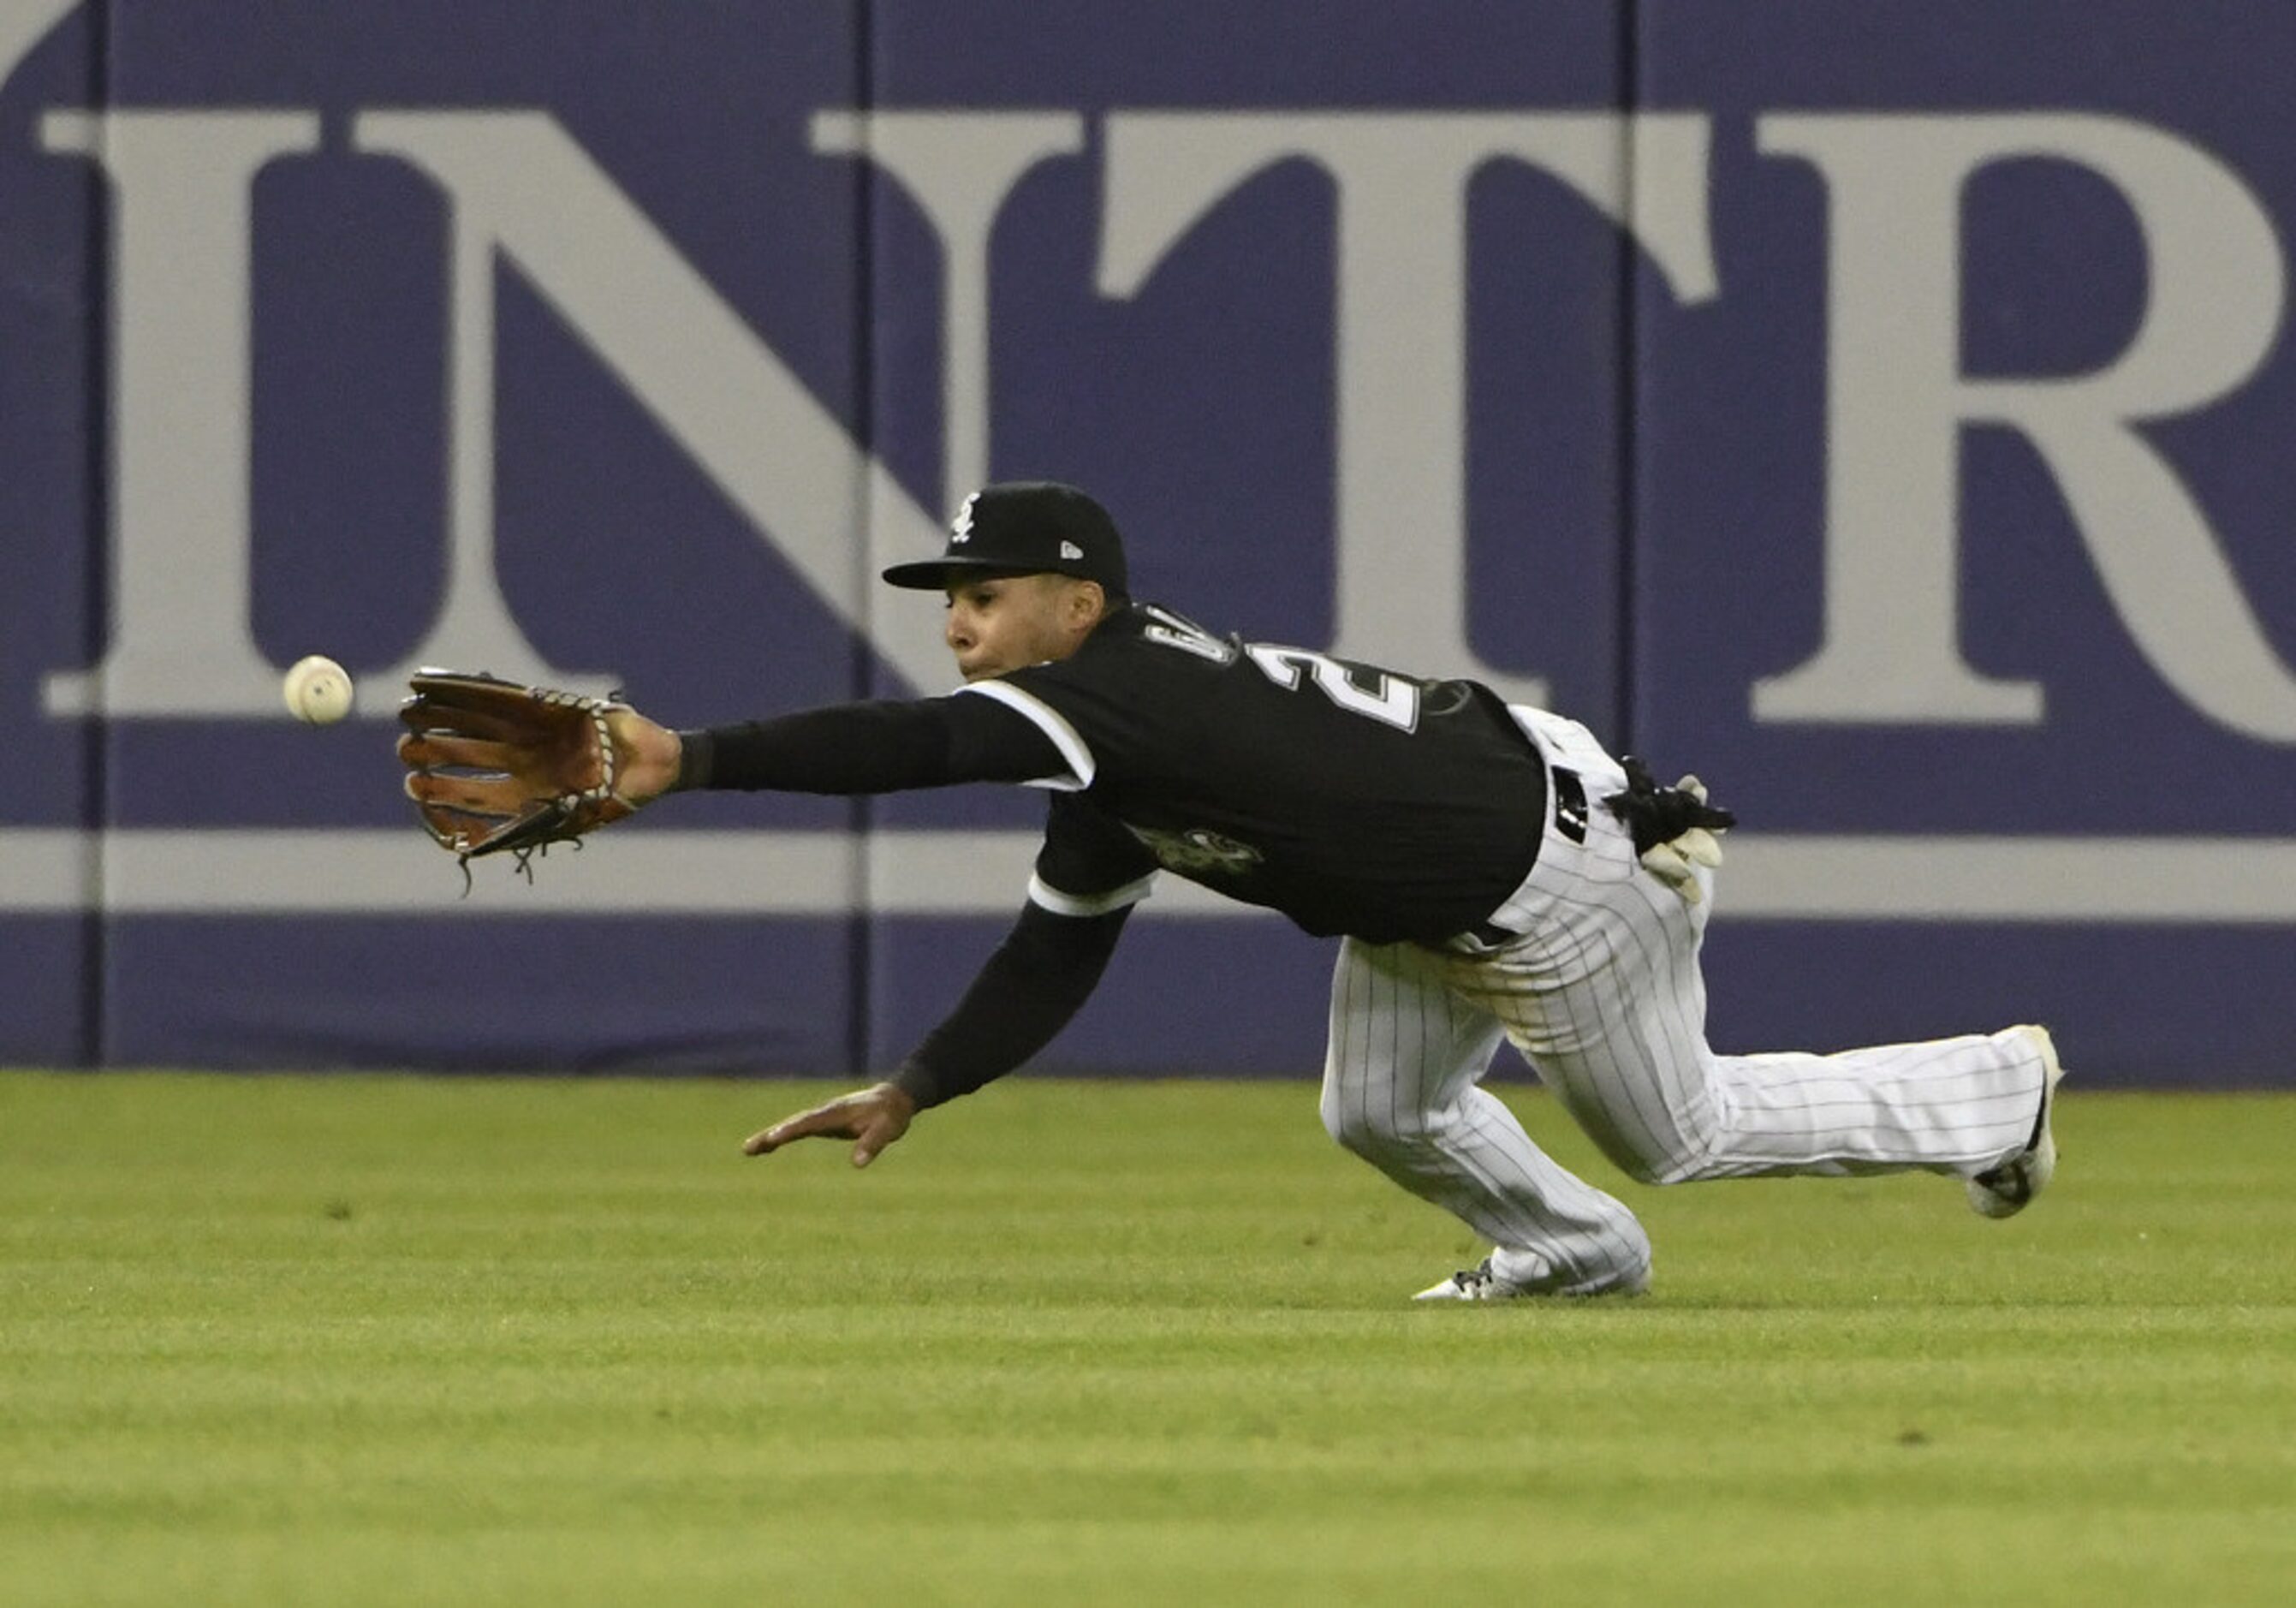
<point>370,1339</point>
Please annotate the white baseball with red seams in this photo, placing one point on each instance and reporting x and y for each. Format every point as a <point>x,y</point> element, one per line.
<point>317,690</point>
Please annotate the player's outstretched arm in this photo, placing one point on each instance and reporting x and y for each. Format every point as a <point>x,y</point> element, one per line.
<point>1030,987</point>
<point>872,1117</point>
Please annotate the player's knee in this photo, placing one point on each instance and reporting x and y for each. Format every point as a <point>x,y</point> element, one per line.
<point>1685,1167</point>
<point>1637,1275</point>
<point>1646,1170</point>
<point>1633,1260</point>
<point>1347,1126</point>
<point>1372,1128</point>
<point>1669,1155</point>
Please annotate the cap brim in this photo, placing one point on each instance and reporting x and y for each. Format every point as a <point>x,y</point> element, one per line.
<point>933,574</point>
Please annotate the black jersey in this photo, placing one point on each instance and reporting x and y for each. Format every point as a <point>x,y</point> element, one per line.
<point>1353,800</point>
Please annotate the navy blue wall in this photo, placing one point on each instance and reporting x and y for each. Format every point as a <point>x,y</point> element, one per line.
<point>1880,410</point>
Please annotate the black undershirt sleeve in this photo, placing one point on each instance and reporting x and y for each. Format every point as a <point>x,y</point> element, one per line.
<point>1045,970</point>
<point>1048,964</point>
<point>883,746</point>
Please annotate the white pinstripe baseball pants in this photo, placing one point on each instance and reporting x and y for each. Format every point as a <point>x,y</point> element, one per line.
<point>1603,996</point>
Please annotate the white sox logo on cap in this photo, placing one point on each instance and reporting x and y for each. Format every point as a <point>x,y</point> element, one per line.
<point>1025,528</point>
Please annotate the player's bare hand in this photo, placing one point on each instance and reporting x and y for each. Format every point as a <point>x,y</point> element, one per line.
<point>872,1117</point>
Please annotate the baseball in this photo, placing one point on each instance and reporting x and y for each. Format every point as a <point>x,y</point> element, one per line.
<point>317,690</point>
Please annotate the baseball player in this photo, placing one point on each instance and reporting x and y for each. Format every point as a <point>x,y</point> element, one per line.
<point>1490,870</point>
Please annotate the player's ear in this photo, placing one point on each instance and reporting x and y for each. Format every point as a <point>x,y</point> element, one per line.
<point>1087,602</point>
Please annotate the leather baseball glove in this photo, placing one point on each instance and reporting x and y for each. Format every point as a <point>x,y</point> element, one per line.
<point>497,767</point>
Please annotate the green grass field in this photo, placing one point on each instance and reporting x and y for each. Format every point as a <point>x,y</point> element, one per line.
<point>360,1340</point>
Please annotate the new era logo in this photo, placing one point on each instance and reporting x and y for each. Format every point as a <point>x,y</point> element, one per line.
<point>1071,550</point>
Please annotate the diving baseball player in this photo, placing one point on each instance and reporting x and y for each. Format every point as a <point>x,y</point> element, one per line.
<point>1490,870</point>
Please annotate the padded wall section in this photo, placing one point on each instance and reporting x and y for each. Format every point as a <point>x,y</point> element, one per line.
<point>546,367</point>
<point>1879,410</point>
<point>51,508</point>
<point>1961,559</point>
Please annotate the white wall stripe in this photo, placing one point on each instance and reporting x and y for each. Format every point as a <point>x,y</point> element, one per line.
<point>638,869</point>
<point>2072,880</point>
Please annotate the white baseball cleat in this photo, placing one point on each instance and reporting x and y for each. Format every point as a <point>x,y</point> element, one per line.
<point>1481,1284</point>
<point>2009,1188</point>
<point>1469,1283</point>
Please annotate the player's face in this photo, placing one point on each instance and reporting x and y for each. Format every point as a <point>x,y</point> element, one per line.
<point>1009,622</point>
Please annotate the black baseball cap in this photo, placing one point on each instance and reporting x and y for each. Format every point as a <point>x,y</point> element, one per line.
<point>1024,528</point>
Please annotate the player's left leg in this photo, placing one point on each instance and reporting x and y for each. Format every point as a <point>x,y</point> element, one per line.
<point>1611,1013</point>
<point>1401,1090</point>
<point>1603,994</point>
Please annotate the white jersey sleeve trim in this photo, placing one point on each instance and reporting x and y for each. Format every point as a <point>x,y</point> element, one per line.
<point>1053,724</point>
<point>1043,893</point>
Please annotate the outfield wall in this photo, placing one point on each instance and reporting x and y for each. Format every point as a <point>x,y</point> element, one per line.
<point>1884,410</point>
